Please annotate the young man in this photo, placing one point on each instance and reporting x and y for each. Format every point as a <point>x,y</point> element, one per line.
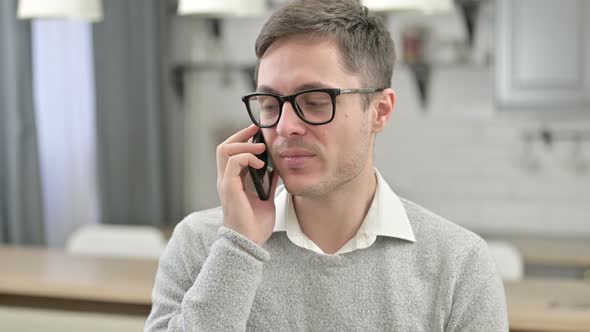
<point>336,249</point>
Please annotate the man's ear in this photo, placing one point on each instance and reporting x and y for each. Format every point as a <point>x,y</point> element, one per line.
<point>383,109</point>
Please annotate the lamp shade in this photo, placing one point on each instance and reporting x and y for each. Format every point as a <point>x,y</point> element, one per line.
<point>222,7</point>
<point>428,6</point>
<point>437,6</point>
<point>393,5</point>
<point>90,10</point>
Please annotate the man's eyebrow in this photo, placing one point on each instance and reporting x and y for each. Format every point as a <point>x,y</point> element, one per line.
<point>305,86</point>
<point>267,89</point>
<point>312,85</point>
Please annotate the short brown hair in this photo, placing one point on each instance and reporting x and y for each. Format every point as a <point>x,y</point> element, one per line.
<point>365,44</point>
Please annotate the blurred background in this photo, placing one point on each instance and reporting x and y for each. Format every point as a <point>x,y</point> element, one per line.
<point>111,111</point>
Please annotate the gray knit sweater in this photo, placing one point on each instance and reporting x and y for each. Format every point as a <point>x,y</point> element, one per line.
<point>211,278</point>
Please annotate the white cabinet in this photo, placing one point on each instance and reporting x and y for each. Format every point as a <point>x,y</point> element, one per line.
<point>543,55</point>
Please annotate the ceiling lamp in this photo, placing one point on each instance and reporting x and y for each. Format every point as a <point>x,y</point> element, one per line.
<point>437,6</point>
<point>426,6</point>
<point>222,7</point>
<point>90,10</point>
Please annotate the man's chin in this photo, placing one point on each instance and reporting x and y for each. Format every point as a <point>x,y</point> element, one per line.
<point>304,187</point>
<point>296,185</point>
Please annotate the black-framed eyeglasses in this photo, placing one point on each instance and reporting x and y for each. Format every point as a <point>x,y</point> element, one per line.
<point>314,106</point>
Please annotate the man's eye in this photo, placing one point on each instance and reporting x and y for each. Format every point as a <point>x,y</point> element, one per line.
<point>315,102</point>
<point>314,99</point>
<point>269,108</point>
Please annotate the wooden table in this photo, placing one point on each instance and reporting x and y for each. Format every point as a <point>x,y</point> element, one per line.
<point>564,252</point>
<point>549,251</point>
<point>548,305</point>
<point>46,278</point>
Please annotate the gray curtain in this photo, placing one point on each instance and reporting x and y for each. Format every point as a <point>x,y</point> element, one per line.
<point>129,50</point>
<point>21,210</point>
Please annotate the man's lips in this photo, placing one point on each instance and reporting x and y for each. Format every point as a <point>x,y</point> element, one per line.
<point>295,158</point>
<point>295,154</point>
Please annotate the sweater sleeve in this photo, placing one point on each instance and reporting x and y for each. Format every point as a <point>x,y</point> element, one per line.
<point>196,291</point>
<point>478,299</point>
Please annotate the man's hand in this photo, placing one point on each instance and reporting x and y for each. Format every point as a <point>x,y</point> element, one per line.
<point>243,211</point>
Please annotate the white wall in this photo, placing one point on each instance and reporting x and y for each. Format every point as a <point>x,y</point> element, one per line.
<point>460,158</point>
<point>212,106</point>
<point>468,163</point>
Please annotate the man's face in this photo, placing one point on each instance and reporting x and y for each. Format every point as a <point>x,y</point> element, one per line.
<point>314,160</point>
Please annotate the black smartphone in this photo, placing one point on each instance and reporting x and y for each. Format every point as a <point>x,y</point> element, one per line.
<point>262,178</point>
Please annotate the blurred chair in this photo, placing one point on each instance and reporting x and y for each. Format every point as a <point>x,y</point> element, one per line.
<point>117,241</point>
<point>508,259</point>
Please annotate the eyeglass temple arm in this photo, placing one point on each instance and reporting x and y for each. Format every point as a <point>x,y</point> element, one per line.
<point>345,91</point>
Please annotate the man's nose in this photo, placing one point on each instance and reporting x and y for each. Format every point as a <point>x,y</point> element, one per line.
<point>289,123</point>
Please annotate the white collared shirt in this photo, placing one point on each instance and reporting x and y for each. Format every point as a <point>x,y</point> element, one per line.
<point>386,217</point>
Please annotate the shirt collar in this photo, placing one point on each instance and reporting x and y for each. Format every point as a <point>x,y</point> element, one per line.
<point>386,215</point>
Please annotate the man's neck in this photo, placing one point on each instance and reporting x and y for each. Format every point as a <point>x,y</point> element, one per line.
<point>332,220</point>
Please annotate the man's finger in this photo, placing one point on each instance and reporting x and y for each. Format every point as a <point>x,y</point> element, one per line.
<point>242,135</point>
<point>224,151</point>
<point>236,163</point>
<point>232,149</point>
